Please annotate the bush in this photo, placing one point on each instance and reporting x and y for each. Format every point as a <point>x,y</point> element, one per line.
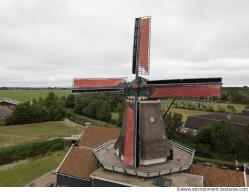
<point>11,154</point>
<point>172,122</point>
<point>216,138</point>
<point>70,101</point>
<point>49,109</point>
<point>94,106</point>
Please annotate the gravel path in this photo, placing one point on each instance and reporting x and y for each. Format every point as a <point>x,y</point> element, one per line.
<point>7,166</point>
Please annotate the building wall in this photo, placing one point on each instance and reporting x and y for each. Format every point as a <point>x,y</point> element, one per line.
<point>67,181</point>
<point>245,112</point>
<point>102,183</point>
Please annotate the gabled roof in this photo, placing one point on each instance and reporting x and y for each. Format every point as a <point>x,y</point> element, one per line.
<point>79,162</point>
<point>8,101</point>
<point>198,122</point>
<point>95,136</point>
<point>216,177</point>
<point>233,118</point>
<point>6,109</point>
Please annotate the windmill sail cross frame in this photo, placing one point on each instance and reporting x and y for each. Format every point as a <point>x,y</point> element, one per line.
<point>142,106</point>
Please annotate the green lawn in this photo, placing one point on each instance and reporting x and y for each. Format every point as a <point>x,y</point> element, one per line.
<point>27,95</point>
<point>23,174</point>
<point>17,134</point>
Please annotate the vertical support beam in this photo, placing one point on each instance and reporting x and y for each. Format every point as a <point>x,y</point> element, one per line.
<point>135,62</point>
<point>136,135</point>
<point>136,46</point>
<point>137,49</point>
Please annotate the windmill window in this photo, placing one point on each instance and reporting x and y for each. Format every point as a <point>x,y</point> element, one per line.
<point>152,119</point>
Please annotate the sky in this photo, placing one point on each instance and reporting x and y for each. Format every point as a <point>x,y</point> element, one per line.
<point>50,42</point>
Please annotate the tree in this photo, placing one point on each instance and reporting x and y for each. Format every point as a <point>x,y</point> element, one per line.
<point>49,109</point>
<point>97,106</point>
<point>217,137</point>
<point>172,122</point>
<point>120,110</point>
<point>70,101</point>
<point>104,112</point>
<point>242,145</point>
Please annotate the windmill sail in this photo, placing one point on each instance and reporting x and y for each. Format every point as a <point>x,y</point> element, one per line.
<point>141,47</point>
<point>204,87</point>
<point>92,85</point>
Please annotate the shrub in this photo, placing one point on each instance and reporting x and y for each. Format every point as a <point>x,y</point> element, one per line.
<point>11,154</point>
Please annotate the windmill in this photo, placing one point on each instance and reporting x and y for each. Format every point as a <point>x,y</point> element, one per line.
<point>143,140</point>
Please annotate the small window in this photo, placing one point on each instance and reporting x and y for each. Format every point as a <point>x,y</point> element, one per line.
<point>152,119</point>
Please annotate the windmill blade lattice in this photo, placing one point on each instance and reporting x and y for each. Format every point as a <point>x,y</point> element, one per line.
<point>94,85</point>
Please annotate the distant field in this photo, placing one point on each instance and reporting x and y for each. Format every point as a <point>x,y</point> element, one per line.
<point>23,174</point>
<point>17,134</point>
<point>238,107</point>
<point>185,113</point>
<point>27,95</point>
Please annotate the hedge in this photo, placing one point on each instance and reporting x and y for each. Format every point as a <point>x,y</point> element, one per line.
<point>24,151</point>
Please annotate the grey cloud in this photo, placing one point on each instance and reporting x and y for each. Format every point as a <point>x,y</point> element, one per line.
<point>49,42</point>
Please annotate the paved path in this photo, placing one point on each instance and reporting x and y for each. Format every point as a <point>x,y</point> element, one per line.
<point>73,123</point>
<point>19,136</point>
<point>47,180</point>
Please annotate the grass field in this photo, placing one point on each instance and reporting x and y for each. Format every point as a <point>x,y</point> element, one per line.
<point>27,95</point>
<point>238,107</point>
<point>26,172</point>
<point>17,134</point>
<point>185,112</point>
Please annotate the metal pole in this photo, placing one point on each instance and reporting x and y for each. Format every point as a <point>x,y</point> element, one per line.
<point>164,115</point>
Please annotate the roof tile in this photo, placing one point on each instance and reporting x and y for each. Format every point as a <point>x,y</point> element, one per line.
<point>80,162</point>
<point>95,136</point>
<point>216,177</point>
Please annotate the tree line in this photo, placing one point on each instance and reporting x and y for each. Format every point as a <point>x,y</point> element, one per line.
<point>236,94</point>
<point>54,108</point>
<point>49,109</point>
<point>205,107</point>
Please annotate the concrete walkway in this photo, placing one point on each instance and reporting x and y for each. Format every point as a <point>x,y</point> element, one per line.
<point>47,180</point>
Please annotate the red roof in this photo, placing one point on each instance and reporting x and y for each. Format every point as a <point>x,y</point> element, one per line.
<point>216,177</point>
<point>79,162</point>
<point>95,136</point>
<point>97,83</point>
<point>6,109</point>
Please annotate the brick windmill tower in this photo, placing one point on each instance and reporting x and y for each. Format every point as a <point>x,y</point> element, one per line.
<point>143,148</point>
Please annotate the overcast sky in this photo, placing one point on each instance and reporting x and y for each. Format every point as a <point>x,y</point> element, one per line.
<point>49,42</point>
